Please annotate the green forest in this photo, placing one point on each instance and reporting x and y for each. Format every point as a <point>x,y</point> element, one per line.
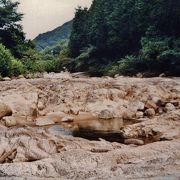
<point>123,37</point>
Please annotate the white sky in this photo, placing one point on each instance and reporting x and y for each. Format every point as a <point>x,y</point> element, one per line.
<point>44,15</point>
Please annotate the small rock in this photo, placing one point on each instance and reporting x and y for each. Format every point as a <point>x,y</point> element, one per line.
<point>56,116</point>
<point>74,111</point>
<point>67,119</point>
<point>134,141</point>
<point>29,76</point>
<point>162,75</point>
<point>10,121</point>
<point>106,114</point>
<point>5,110</point>
<point>139,114</point>
<point>44,121</point>
<point>169,107</point>
<point>139,75</point>
<point>160,110</point>
<point>116,76</point>
<point>38,75</point>
<point>41,105</point>
<point>150,112</point>
<point>156,100</point>
<point>6,79</point>
<point>21,77</point>
<point>151,104</point>
<point>128,115</point>
<point>140,106</point>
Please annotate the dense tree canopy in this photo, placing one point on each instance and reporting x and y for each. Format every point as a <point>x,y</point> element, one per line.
<point>79,32</point>
<point>116,28</point>
<point>113,36</point>
<point>18,55</point>
<point>11,33</point>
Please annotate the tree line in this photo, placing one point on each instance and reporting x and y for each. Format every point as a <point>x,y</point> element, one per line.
<point>17,54</point>
<point>126,37</point>
<point>112,37</point>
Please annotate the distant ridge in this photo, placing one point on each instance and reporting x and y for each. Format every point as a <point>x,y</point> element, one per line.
<point>51,38</point>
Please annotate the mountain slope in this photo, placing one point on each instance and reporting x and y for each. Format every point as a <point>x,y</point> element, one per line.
<point>53,37</point>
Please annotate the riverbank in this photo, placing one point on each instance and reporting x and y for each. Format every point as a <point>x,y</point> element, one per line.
<point>39,118</point>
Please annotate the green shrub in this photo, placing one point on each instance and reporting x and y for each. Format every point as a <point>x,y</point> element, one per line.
<point>111,69</point>
<point>170,62</point>
<point>17,68</point>
<point>84,61</point>
<point>5,61</point>
<point>31,61</point>
<point>128,65</point>
<point>151,49</point>
<point>161,55</point>
<point>46,66</point>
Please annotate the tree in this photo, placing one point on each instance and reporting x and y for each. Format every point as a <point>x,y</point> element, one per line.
<point>78,38</point>
<point>11,32</point>
<point>115,29</point>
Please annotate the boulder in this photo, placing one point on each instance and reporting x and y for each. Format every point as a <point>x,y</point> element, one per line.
<point>5,110</point>
<point>162,75</point>
<point>156,100</point>
<point>150,112</point>
<point>56,116</point>
<point>21,77</point>
<point>116,75</point>
<point>135,106</point>
<point>128,115</point>
<point>139,114</point>
<point>139,75</point>
<point>139,105</point>
<point>40,105</point>
<point>83,116</point>
<point>22,104</point>
<point>6,79</point>
<point>169,107</point>
<point>50,119</point>
<point>68,119</point>
<point>106,114</point>
<point>44,121</point>
<point>10,121</point>
<point>160,110</point>
<point>151,104</point>
<point>74,111</point>
<point>29,76</point>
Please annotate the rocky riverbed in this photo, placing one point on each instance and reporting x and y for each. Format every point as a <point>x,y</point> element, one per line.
<point>68,126</point>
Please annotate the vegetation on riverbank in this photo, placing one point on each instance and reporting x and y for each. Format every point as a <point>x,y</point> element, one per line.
<point>112,37</point>
<point>127,37</point>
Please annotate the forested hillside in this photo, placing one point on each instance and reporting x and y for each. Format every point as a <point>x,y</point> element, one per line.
<point>127,36</point>
<point>112,37</point>
<point>52,38</point>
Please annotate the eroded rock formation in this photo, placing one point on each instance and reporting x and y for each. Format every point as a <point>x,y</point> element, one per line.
<point>39,116</point>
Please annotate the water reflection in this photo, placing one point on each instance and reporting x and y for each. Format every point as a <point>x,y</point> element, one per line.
<point>91,129</point>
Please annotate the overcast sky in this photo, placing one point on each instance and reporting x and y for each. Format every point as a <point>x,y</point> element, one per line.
<point>44,15</point>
